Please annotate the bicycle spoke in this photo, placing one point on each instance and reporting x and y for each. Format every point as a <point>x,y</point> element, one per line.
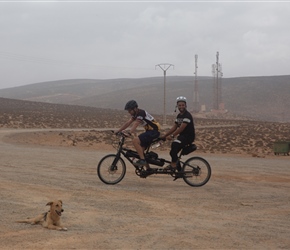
<point>196,171</point>
<point>111,174</point>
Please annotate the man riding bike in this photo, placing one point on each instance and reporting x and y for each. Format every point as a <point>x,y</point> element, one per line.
<point>183,130</point>
<point>143,140</point>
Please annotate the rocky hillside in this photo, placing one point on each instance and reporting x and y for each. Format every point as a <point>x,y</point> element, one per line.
<point>213,135</point>
<point>263,98</point>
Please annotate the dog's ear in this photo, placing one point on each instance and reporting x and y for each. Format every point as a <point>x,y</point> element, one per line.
<point>49,203</point>
<point>60,201</point>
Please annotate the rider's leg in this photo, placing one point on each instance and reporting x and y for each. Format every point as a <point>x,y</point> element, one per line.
<point>175,148</point>
<point>142,142</point>
<point>174,156</point>
<point>140,150</point>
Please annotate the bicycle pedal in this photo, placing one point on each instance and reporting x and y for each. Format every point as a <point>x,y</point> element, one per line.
<point>143,174</point>
<point>177,176</point>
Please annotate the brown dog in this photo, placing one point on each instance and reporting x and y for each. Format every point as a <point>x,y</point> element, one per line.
<point>50,219</point>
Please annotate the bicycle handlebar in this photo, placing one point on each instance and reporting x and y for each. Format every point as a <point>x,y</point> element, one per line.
<point>125,133</point>
<point>122,133</point>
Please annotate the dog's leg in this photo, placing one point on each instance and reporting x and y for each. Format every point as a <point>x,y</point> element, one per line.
<point>60,228</point>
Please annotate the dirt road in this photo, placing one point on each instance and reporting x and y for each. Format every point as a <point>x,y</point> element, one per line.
<point>245,205</point>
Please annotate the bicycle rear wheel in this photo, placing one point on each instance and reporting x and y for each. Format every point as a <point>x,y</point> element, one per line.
<point>197,171</point>
<point>111,170</point>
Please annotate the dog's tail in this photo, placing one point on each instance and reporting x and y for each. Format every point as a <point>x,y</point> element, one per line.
<point>25,221</point>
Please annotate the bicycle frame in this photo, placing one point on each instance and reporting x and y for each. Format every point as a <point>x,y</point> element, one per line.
<point>131,155</point>
<point>189,170</point>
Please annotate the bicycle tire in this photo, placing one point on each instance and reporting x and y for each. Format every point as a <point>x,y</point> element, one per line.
<point>197,171</point>
<point>106,174</point>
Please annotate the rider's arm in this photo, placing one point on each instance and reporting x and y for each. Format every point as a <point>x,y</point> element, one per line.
<point>134,126</point>
<point>175,130</point>
<point>180,129</point>
<point>174,127</point>
<point>125,125</point>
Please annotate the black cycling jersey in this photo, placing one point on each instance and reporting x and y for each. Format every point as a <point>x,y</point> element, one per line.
<point>147,120</point>
<point>186,117</point>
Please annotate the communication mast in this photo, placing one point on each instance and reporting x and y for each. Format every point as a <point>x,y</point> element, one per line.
<point>220,87</point>
<point>217,89</point>
<point>196,105</point>
<point>215,101</point>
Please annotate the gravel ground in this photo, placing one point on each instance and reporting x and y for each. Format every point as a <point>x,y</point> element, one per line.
<point>245,205</point>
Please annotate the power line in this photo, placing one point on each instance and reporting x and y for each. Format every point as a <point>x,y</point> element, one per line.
<point>164,67</point>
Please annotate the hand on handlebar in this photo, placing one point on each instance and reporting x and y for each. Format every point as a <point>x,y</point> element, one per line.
<point>115,132</point>
<point>124,133</point>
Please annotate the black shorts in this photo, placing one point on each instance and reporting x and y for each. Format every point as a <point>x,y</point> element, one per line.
<point>147,137</point>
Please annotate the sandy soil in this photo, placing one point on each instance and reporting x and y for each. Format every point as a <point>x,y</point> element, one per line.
<point>245,205</point>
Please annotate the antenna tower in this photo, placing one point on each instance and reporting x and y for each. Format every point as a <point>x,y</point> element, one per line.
<point>217,74</point>
<point>213,71</point>
<point>220,86</point>
<point>196,106</point>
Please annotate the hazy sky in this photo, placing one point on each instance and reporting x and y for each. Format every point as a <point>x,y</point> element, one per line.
<point>52,40</point>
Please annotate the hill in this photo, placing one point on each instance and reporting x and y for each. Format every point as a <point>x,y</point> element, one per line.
<point>213,135</point>
<point>263,98</point>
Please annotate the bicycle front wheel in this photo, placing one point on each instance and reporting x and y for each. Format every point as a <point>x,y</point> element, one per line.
<point>111,170</point>
<point>197,171</point>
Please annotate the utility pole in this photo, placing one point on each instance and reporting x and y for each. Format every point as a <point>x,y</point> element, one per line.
<point>164,67</point>
<point>196,107</point>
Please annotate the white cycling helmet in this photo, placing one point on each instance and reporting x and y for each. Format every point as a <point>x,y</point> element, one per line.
<point>180,99</point>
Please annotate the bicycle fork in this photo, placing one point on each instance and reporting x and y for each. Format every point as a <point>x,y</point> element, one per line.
<point>114,167</point>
